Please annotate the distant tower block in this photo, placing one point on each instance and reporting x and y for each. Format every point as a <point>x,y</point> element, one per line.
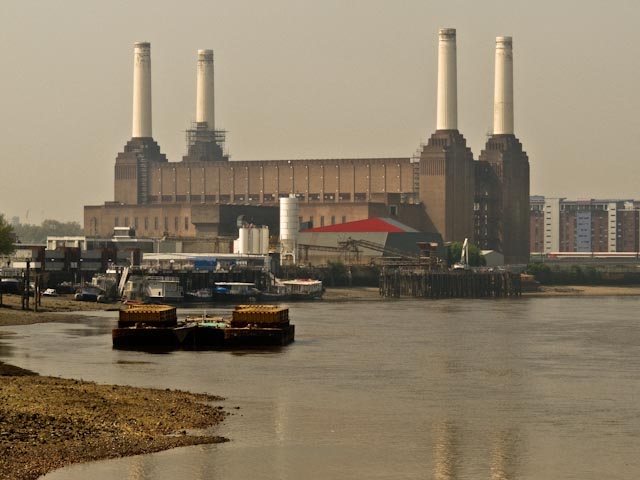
<point>502,179</point>
<point>447,116</point>
<point>289,228</point>
<point>141,127</point>
<point>503,93</point>
<point>205,97</point>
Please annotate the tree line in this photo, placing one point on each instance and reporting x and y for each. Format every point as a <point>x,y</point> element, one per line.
<point>27,233</point>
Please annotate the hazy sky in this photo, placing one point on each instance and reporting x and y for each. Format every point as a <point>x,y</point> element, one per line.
<point>312,79</point>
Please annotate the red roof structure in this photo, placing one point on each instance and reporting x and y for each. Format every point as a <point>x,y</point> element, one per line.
<point>382,225</point>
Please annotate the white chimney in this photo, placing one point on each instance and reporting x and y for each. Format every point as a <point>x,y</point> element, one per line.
<point>141,90</point>
<point>205,98</point>
<point>447,81</point>
<point>503,94</point>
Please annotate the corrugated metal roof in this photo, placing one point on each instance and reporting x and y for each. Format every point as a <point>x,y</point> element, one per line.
<point>386,225</point>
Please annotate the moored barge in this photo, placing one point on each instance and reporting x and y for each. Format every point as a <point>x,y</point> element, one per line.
<point>149,326</point>
<point>157,326</point>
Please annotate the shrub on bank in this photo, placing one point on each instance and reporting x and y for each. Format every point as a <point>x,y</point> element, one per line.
<point>581,275</point>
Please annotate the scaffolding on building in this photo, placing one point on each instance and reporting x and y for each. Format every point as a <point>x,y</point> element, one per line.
<point>204,143</point>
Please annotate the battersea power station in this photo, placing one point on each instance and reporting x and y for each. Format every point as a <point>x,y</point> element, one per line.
<point>441,190</point>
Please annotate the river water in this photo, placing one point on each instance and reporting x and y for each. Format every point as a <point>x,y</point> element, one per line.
<point>462,389</point>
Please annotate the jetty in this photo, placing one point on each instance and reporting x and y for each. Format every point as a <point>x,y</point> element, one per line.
<point>399,282</point>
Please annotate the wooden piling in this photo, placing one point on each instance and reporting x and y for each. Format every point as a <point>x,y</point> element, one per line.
<point>411,282</point>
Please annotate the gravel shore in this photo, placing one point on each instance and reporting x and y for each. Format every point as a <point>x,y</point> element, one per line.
<point>47,423</point>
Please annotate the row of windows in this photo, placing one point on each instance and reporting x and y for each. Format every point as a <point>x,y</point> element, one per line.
<point>156,223</point>
<point>322,220</point>
<point>254,197</point>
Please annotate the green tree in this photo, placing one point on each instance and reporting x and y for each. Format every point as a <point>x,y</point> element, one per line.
<point>27,233</point>
<point>454,250</point>
<point>7,237</point>
<point>541,272</point>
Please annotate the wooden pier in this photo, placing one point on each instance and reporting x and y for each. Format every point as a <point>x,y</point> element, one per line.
<point>399,282</point>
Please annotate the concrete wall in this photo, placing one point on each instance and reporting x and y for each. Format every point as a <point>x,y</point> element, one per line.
<point>352,180</point>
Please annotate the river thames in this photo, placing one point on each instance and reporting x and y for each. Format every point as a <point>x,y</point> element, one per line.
<point>451,389</point>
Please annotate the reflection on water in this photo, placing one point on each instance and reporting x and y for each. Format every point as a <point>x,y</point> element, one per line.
<point>505,446</point>
<point>445,452</point>
<point>468,389</point>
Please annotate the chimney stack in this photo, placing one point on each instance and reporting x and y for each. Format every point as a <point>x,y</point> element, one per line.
<point>503,93</point>
<point>141,90</point>
<point>447,118</point>
<point>204,96</point>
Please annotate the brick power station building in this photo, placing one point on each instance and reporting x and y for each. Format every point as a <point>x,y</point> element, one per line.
<point>444,190</point>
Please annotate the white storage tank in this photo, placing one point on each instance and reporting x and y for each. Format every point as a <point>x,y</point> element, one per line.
<point>289,228</point>
<point>265,240</point>
<point>252,241</point>
<point>241,244</point>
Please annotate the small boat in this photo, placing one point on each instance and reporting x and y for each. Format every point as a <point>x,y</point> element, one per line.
<point>201,295</point>
<point>304,288</point>
<point>235,292</point>
<point>163,290</point>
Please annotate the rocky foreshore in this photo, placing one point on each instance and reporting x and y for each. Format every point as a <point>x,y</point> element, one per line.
<point>47,423</point>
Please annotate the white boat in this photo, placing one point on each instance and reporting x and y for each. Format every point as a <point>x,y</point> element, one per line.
<point>303,288</point>
<point>163,290</point>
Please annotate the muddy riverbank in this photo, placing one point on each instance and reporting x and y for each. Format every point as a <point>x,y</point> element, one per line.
<point>47,423</point>
<point>52,309</point>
